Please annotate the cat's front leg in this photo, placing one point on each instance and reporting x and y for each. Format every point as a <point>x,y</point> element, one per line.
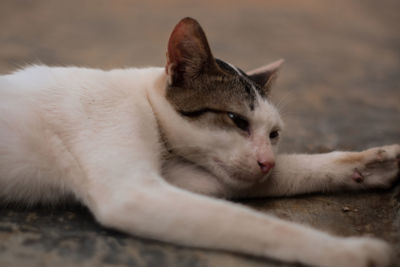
<point>193,178</point>
<point>148,207</point>
<point>301,173</point>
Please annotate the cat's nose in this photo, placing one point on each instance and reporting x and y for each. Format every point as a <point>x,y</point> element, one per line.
<point>266,166</point>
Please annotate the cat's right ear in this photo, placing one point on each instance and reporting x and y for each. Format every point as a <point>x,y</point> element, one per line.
<point>188,52</point>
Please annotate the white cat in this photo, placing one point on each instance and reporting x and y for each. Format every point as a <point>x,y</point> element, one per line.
<point>149,150</point>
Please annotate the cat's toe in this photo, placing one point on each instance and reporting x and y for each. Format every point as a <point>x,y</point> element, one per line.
<point>368,252</point>
<point>382,154</point>
<point>379,167</point>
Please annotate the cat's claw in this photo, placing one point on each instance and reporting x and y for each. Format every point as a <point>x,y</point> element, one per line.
<point>357,176</point>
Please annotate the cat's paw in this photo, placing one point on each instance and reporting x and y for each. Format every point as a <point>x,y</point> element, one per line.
<point>374,168</point>
<point>364,252</point>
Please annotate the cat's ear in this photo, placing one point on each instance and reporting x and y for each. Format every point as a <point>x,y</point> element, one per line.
<point>188,52</point>
<point>266,75</point>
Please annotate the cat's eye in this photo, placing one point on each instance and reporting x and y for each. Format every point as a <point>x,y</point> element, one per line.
<point>274,134</point>
<point>239,121</point>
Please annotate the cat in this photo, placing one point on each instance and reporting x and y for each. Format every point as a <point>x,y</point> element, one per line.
<point>157,152</point>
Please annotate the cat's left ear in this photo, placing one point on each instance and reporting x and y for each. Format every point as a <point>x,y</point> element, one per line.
<point>266,75</point>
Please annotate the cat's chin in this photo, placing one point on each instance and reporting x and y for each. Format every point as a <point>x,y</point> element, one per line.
<point>234,179</point>
<point>238,182</point>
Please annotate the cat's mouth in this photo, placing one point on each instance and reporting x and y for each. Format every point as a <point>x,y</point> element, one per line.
<point>242,176</point>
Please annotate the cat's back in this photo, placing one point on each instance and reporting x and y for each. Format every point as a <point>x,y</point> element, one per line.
<point>47,112</point>
<point>36,78</point>
<point>75,91</point>
<point>40,80</point>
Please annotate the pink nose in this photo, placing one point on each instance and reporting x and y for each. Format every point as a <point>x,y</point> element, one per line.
<point>266,166</point>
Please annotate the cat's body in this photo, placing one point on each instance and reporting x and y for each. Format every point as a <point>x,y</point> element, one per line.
<point>47,126</point>
<point>141,148</point>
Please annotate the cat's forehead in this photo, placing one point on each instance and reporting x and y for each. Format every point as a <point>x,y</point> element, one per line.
<point>242,83</point>
<point>241,75</point>
<point>228,89</point>
<point>262,111</point>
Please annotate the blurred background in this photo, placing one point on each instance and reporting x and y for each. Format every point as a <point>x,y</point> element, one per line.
<point>339,89</point>
<point>341,56</point>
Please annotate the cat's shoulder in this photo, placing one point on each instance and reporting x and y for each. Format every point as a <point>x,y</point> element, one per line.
<point>40,71</point>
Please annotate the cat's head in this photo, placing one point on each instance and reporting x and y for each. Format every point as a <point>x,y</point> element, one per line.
<point>223,119</point>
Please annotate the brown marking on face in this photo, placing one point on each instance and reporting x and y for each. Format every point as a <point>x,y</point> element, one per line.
<point>213,91</point>
<point>219,120</point>
<point>350,158</point>
<point>199,82</point>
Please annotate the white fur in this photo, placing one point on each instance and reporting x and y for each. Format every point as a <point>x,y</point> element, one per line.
<point>99,136</point>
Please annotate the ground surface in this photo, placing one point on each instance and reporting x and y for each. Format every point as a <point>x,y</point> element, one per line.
<point>340,89</point>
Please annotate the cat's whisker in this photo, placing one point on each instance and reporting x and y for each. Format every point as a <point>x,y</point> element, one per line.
<point>284,101</point>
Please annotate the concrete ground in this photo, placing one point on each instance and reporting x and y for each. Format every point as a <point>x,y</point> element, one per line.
<point>340,89</point>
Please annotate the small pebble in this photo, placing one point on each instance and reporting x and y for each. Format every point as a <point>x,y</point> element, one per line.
<point>345,209</point>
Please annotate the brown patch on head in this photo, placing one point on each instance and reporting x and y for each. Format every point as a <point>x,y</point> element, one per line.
<point>197,81</point>
<point>351,157</point>
<point>216,91</point>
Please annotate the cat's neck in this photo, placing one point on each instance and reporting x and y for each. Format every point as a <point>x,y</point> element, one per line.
<point>164,113</point>
<point>160,83</point>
